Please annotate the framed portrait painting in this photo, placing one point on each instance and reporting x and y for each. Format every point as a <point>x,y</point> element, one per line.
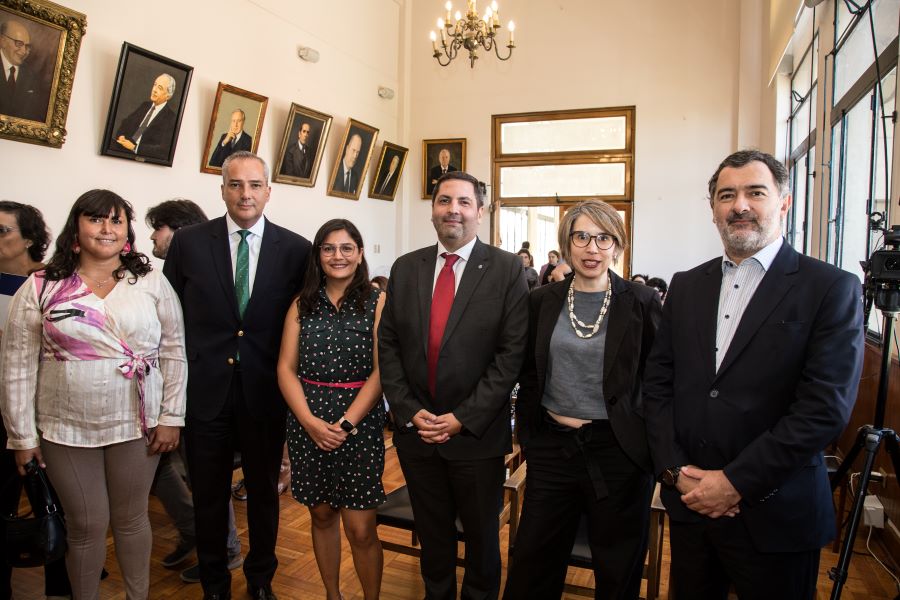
<point>353,160</point>
<point>39,49</point>
<point>388,172</point>
<point>235,125</point>
<point>439,157</point>
<point>148,99</point>
<point>302,146</point>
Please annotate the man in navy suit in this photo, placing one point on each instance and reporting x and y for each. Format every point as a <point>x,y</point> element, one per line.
<point>233,140</point>
<point>450,345</point>
<point>236,276</point>
<point>754,371</point>
<point>149,130</point>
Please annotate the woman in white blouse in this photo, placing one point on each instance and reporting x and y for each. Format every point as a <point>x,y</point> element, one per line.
<point>93,378</point>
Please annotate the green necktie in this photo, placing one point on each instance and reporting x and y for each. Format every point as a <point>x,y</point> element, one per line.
<point>242,272</point>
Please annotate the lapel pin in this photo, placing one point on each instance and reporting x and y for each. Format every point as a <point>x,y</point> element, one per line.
<point>480,266</point>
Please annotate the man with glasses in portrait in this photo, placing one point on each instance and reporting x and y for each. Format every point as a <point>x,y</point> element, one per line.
<point>22,93</point>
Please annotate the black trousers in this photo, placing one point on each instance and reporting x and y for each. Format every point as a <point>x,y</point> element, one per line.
<point>708,556</point>
<point>575,472</point>
<point>210,453</point>
<point>56,578</point>
<point>440,490</point>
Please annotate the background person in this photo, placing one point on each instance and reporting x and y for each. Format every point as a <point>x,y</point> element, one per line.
<point>638,278</point>
<point>659,284</point>
<point>94,358</point>
<point>24,239</point>
<point>552,261</point>
<point>330,382</point>
<point>531,276</point>
<point>169,486</point>
<point>579,416</point>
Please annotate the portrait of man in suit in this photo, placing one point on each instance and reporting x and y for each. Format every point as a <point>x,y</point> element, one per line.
<point>236,276</point>
<point>754,371</point>
<point>150,128</point>
<point>451,343</point>
<point>233,140</point>
<point>24,93</point>
<point>298,158</point>
<point>440,169</point>
<point>347,177</point>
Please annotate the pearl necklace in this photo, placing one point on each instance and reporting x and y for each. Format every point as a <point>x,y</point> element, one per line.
<point>574,320</point>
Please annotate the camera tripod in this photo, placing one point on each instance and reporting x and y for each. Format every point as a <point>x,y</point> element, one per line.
<point>869,438</point>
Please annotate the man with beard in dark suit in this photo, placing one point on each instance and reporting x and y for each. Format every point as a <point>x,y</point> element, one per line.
<point>148,131</point>
<point>298,157</point>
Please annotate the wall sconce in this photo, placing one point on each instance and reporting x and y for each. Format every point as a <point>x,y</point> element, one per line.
<point>385,92</point>
<point>308,54</point>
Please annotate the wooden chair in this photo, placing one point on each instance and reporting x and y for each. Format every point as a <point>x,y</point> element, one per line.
<point>581,550</point>
<point>397,511</point>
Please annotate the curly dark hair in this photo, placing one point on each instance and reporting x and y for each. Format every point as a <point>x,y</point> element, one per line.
<point>31,226</point>
<point>96,203</point>
<point>359,289</point>
<point>175,214</point>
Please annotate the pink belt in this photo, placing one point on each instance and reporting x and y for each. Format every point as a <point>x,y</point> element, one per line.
<point>349,384</point>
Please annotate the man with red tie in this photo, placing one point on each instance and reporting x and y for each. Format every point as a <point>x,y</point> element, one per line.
<point>451,342</point>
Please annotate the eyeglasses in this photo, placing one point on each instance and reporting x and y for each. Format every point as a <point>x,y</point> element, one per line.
<point>18,43</point>
<point>330,249</point>
<point>4,229</point>
<point>582,239</point>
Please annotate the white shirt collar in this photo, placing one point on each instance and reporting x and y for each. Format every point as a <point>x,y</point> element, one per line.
<point>7,65</point>
<point>764,257</point>
<point>257,228</point>
<point>464,253</point>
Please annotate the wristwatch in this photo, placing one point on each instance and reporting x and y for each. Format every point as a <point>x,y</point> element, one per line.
<point>669,477</point>
<point>348,426</point>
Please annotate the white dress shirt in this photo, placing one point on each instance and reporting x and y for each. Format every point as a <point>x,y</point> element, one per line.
<point>458,267</point>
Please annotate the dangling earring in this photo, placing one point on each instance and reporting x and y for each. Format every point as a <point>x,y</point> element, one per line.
<point>126,249</point>
<point>75,247</point>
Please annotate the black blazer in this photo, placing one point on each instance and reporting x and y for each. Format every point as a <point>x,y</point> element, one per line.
<point>784,391</point>
<point>480,357</point>
<point>339,180</point>
<point>634,314</point>
<point>156,141</point>
<point>297,163</point>
<point>198,266</point>
<point>244,143</point>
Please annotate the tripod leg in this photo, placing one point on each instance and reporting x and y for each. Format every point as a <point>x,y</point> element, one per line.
<point>838,574</point>
<point>848,461</point>
<point>892,445</point>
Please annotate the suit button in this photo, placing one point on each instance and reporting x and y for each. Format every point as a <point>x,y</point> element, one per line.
<point>230,361</point>
<point>714,394</point>
<point>613,400</point>
<point>241,333</point>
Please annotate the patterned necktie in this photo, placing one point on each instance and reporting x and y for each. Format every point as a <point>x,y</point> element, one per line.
<point>441,303</point>
<point>242,272</point>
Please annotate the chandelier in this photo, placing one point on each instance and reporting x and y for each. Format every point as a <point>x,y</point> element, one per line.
<point>470,32</point>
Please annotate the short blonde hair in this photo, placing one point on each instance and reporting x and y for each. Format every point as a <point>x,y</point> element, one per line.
<point>602,214</point>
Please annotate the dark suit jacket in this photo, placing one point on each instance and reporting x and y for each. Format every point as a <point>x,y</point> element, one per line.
<point>245,142</point>
<point>339,179</point>
<point>387,183</point>
<point>435,173</point>
<point>297,163</point>
<point>784,391</point>
<point>156,142</point>
<point>31,98</point>
<point>198,266</point>
<point>480,357</point>
<point>634,314</point>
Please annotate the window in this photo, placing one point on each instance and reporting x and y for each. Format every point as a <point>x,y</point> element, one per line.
<point>545,162</point>
<point>802,128</point>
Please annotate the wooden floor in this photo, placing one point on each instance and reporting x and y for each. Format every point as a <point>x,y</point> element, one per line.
<point>298,578</point>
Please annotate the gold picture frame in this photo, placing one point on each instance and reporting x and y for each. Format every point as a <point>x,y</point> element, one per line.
<point>386,181</point>
<point>302,146</point>
<point>431,163</point>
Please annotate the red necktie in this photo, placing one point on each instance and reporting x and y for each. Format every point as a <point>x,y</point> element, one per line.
<point>441,302</point>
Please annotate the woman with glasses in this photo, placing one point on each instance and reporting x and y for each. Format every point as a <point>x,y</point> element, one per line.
<point>24,239</point>
<point>328,373</point>
<point>579,415</point>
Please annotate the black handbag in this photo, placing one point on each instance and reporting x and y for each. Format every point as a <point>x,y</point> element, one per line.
<point>40,539</point>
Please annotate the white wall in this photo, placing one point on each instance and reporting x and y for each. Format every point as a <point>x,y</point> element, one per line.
<point>679,63</point>
<point>252,45</point>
